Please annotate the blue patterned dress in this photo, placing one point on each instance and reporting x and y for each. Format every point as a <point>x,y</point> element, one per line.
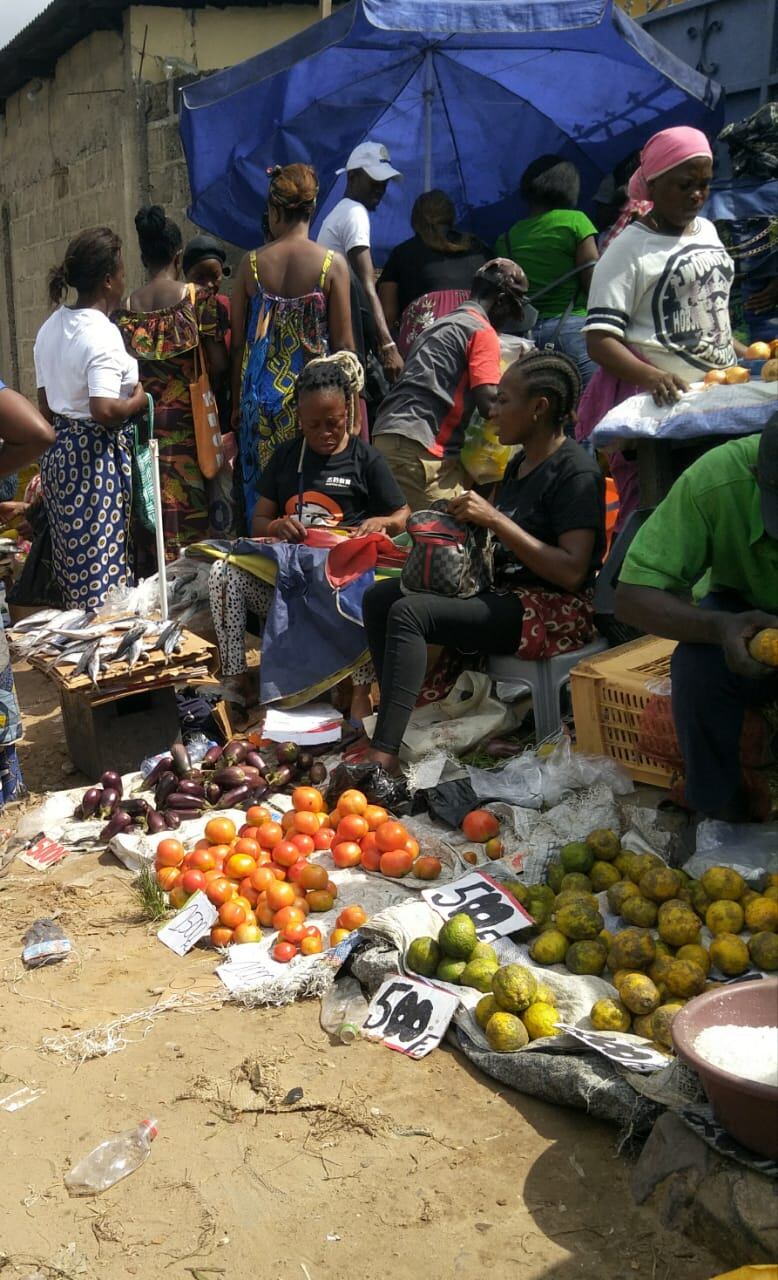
<point>282,335</point>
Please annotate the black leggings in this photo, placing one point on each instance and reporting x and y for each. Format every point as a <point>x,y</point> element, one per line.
<point>400,627</point>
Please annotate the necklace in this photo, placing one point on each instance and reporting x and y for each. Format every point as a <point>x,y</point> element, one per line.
<point>691,229</point>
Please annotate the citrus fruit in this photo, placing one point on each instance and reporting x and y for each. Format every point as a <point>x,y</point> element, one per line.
<point>478,974</point>
<point>506,1033</point>
<point>604,845</point>
<point>576,856</point>
<point>483,1011</point>
<point>513,988</point>
<point>423,956</point>
<point>540,1021</point>
<point>458,937</point>
<point>609,1015</point>
<point>450,970</point>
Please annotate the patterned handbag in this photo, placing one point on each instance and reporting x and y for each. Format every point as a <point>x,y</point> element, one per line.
<point>447,558</point>
<point>142,483</point>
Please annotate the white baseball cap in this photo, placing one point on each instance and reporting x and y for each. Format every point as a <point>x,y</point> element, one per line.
<point>374,158</point>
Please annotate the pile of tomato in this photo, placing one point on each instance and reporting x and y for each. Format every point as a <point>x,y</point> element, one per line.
<point>361,834</point>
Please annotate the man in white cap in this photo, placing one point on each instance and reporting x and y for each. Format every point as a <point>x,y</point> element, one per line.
<point>346,229</point>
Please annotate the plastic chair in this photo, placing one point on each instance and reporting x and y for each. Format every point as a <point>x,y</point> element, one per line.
<point>544,679</point>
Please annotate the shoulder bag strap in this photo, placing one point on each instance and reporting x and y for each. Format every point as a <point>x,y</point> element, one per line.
<point>325,266</point>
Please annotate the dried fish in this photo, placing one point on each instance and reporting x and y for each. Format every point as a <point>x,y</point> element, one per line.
<point>134,653</point>
<point>170,640</point>
<point>94,664</point>
<point>89,653</point>
<point>129,640</point>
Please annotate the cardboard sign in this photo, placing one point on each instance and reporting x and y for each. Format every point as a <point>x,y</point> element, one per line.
<point>492,909</point>
<point>43,853</point>
<point>626,1053</point>
<point>190,925</point>
<point>409,1016</point>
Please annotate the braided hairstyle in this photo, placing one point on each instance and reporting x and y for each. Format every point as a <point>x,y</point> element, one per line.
<point>293,191</point>
<point>555,376</point>
<point>339,372</point>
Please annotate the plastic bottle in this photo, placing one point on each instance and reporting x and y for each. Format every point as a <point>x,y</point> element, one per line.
<point>343,1010</point>
<point>111,1161</point>
<point>44,943</point>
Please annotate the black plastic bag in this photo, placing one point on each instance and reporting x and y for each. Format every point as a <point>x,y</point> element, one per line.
<point>379,786</point>
<point>448,802</point>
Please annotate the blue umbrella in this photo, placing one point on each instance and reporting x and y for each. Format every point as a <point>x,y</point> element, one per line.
<point>464,93</point>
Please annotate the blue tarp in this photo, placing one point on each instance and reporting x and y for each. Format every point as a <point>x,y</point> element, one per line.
<point>464,93</point>
<point>742,199</point>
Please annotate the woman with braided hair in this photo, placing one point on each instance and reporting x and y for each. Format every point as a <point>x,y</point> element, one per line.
<point>291,302</point>
<point>549,528</point>
<point>324,476</point>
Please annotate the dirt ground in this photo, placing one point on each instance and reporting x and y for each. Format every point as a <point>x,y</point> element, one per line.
<point>388,1167</point>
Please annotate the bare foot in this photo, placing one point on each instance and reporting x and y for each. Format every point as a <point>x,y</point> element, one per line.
<point>388,761</point>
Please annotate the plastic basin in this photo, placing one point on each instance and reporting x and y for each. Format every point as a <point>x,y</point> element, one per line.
<point>747,1110</point>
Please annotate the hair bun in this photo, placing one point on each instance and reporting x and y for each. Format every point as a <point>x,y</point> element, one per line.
<point>150,219</point>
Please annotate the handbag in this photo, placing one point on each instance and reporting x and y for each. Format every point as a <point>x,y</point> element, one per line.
<point>447,557</point>
<point>205,414</point>
<point>142,483</point>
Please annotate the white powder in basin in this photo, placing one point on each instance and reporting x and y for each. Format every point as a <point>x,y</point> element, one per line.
<point>748,1052</point>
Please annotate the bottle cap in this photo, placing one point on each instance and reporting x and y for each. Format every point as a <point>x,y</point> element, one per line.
<point>348,1032</point>
<point>151,1127</point>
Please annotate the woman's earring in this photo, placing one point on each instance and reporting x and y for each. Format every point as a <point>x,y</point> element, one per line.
<point>534,417</point>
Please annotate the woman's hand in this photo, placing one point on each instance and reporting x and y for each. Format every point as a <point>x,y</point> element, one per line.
<point>473,509</point>
<point>137,402</point>
<point>287,529</point>
<point>375,524</point>
<point>665,388</point>
<point>392,362</point>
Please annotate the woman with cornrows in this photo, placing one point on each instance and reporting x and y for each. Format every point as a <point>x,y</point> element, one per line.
<point>549,527</point>
<point>291,302</point>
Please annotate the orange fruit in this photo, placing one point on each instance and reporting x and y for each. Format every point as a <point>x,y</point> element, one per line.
<point>220,830</point>
<point>281,894</point>
<point>305,823</point>
<point>346,854</point>
<point>374,816</point>
<point>307,800</point>
<point>396,863</point>
<point>221,936</point>
<point>170,853</point>
<point>351,918</point>
<point>390,835</point>
<point>231,914</point>
<point>352,827</point>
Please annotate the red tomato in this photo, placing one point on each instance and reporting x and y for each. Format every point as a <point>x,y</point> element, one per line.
<point>371,859</point>
<point>296,870</point>
<point>221,936</point>
<point>312,931</point>
<point>178,897</point>
<point>269,835</point>
<point>170,853</point>
<point>311,946</point>
<point>239,865</point>
<point>256,815</point>
<point>247,832</point>
<point>202,860</point>
<point>193,880</point>
<point>231,914</point>
<point>219,890</point>
<point>220,830</point>
<point>294,932</point>
<point>264,915</point>
<point>281,894</point>
<point>320,900</point>
<point>390,835</point>
<point>352,827</point>
<point>247,890</point>
<point>247,933</point>
<point>396,862</point>
<point>169,877</point>
<point>427,868</point>
<point>283,952</point>
<point>313,876</point>
<point>262,878</point>
<point>346,854</point>
<point>480,824</point>
<point>244,845</point>
<point>285,854</point>
<point>303,843</point>
<point>351,918</point>
<point>324,838</point>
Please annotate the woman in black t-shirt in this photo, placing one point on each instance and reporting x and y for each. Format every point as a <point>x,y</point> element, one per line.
<point>549,526</point>
<point>325,476</point>
<point>429,275</point>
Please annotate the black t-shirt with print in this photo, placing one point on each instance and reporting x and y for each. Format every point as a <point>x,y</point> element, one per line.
<point>338,489</point>
<point>416,269</point>
<point>565,492</point>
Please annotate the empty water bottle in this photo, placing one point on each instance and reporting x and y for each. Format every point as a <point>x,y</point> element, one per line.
<point>343,1010</point>
<point>111,1161</point>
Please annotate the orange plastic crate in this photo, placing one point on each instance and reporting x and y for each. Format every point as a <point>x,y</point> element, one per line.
<point>610,693</point>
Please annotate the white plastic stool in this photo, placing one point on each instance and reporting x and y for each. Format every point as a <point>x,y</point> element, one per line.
<point>544,679</point>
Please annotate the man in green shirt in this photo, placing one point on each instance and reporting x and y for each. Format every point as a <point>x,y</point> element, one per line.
<point>703,570</point>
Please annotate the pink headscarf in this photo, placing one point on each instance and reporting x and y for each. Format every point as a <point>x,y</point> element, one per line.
<point>663,152</point>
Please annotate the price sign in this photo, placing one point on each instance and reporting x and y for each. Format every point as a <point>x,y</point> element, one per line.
<point>43,853</point>
<point>627,1053</point>
<point>190,925</point>
<point>409,1016</point>
<point>491,908</point>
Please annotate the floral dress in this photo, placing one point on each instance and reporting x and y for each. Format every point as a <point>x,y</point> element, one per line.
<point>282,335</point>
<point>164,344</point>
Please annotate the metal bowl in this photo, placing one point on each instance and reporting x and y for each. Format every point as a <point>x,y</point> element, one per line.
<point>747,1110</point>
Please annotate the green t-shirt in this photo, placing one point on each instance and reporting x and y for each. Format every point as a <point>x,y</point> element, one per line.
<point>708,534</point>
<point>545,247</point>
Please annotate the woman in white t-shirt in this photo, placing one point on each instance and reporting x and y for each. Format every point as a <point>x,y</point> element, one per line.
<point>658,314</point>
<point>87,388</point>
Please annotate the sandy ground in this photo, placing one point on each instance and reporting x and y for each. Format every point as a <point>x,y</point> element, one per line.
<point>389,1167</point>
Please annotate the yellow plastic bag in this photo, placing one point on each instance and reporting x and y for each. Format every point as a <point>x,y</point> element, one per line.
<point>482,455</point>
<point>769,1271</point>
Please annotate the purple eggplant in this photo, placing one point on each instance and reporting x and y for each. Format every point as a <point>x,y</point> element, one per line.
<point>90,800</point>
<point>78,813</point>
<point>235,798</point>
<point>253,776</point>
<point>182,765</point>
<point>230,777</point>
<point>187,787</point>
<point>236,751</point>
<point>259,792</point>
<point>135,806</point>
<point>255,760</point>
<point>304,761</point>
<point>281,777</point>
<point>184,803</point>
<point>172,820</point>
<point>288,752</point>
<point>167,784</point>
<point>212,792</point>
<point>163,765</point>
<point>112,781</point>
<point>109,802</point>
<point>119,822</point>
<point>155,822</point>
<point>318,772</point>
<point>212,757</point>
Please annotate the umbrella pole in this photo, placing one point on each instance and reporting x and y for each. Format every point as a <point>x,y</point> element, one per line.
<point>428,95</point>
<point>160,533</point>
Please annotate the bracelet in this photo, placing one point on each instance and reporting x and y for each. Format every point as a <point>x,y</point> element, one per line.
<point>388,346</point>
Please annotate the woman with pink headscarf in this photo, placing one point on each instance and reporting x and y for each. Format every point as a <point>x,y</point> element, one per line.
<point>658,314</point>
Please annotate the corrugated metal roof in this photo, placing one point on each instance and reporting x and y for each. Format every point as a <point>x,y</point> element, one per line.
<point>36,49</point>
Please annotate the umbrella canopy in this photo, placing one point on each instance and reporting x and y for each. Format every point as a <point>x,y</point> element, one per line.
<point>464,93</point>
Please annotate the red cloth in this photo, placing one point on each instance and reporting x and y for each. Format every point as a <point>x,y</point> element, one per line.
<point>351,557</point>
